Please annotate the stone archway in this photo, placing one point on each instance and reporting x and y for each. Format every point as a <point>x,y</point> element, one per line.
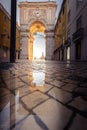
<point>42,15</point>
<point>35,27</point>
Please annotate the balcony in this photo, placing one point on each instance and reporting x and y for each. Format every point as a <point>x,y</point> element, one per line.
<point>78,35</point>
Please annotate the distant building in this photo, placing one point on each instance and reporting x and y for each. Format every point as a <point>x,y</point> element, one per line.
<point>42,57</point>
<point>60,33</point>
<point>77,29</point>
<point>5,35</point>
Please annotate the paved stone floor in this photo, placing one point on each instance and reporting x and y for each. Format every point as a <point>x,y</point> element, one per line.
<point>43,95</point>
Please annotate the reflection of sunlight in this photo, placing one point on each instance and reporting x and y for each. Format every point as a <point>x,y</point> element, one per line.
<point>38,81</point>
<point>17,99</point>
<point>38,78</point>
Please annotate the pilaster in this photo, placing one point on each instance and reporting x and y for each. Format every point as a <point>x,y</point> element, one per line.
<point>49,44</point>
<point>24,41</point>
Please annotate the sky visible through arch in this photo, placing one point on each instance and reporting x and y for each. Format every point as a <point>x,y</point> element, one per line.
<point>39,45</point>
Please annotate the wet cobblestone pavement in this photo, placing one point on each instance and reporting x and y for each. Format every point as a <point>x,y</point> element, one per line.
<point>43,95</point>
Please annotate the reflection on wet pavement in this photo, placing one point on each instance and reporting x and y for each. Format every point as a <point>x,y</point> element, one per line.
<point>43,96</point>
<point>37,80</point>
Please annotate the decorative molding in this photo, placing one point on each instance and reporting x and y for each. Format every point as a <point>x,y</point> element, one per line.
<point>4,11</point>
<point>38,4</point>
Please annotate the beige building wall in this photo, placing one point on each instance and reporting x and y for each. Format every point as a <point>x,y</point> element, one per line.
<point>60,33</point>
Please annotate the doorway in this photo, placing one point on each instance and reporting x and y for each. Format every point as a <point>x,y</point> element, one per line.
<point>68,53</point>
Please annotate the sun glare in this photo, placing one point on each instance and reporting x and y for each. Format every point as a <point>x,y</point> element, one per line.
<point>39,46</point>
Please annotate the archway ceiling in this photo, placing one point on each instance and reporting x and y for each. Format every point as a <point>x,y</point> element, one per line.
<point>37,27</point>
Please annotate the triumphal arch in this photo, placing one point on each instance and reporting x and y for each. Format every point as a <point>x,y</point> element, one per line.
<point>36,17</point>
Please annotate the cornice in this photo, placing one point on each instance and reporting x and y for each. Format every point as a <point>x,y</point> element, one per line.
<point>4,11</point>
<point>37,4</point>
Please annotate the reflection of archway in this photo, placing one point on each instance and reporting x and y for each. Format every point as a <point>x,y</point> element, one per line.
<point>34,27</point>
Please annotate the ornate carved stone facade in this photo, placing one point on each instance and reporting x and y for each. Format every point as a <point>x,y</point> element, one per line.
<point>42,13</point>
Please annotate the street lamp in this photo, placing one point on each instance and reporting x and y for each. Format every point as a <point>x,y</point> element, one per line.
<point>13,32</point>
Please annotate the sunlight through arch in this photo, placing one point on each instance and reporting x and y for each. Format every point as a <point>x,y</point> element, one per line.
<point>39,46</point>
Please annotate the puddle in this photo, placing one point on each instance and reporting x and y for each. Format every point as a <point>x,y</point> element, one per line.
<point>37,80</point>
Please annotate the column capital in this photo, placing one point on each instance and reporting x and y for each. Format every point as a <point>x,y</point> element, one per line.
<point>49,33</point>
<point>24,34</point>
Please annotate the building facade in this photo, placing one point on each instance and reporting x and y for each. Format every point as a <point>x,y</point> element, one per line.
<point>77,29</point>
<point>37,17</point>
<point>5,35</point>
<point>60,33</point>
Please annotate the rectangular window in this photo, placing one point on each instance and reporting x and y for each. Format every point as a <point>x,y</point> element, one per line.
<point>78,3</point>
<point>5,19</point>
<point>60,19</point>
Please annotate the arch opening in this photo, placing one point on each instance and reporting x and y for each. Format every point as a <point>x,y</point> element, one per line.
<point>37,41</point>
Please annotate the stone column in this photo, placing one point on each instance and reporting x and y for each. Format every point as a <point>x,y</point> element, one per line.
<point>49,44</point>
<point>24,41</point>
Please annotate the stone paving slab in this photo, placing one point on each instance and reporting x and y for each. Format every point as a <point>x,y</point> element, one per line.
<point>69,87</point>
<point>47,87</point>
<point>13,83</point>
<point>34,99</point>
<point>53,114</point>
<point>5,73</point>
<point>4,92</point>
<point>28,124</point>
<point>61,95</point>
<point>43,107</point>
<point>44,88</point>
<point>57,83</point>
<point>80,91</point>
<point>4,101</point>
<point>12,113</point>
<point>79,103</point>
<point>22,91</point>
<point>70,81</point>
<point>79,123</point>
<point>48,80</point>
<point>25,79</point>
<point>20,112</point>
<point>5,117</point>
